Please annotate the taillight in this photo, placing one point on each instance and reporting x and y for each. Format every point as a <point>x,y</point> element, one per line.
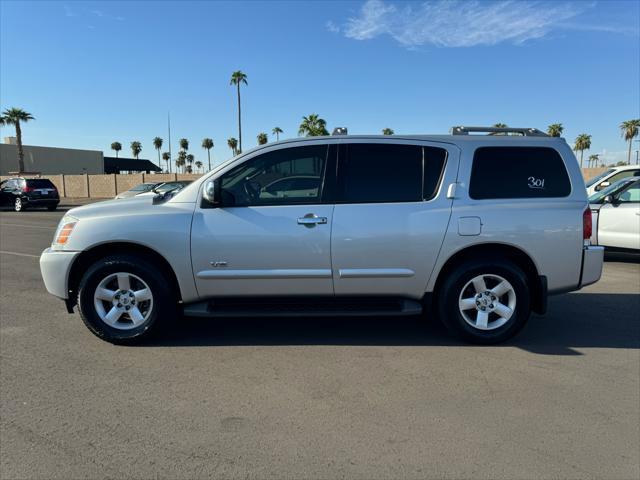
<point>587,224</point>
<point>27,189</point>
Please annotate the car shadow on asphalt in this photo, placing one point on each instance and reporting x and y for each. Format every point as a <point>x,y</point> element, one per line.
<point>574,321</point>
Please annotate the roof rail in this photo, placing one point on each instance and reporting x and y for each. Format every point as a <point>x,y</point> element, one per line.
<point>525,132</point>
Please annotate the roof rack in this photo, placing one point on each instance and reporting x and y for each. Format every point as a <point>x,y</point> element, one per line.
<point>525,132</point>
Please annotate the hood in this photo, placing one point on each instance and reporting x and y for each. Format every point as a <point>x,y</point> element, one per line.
<point>111,207</point>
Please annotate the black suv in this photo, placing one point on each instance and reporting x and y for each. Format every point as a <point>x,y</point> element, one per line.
<point>20,193</point>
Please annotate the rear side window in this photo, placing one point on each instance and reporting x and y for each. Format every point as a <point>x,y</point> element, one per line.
<point>518,172</point>
<point>385,173</point>
<point>40,183</point>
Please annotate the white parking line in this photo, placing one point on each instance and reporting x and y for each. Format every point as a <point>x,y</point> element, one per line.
<point>20,254</point>
<point>23,225</point>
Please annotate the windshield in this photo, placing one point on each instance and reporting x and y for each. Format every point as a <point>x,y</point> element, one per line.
<point>598,197</point>
<point>170,186</point>
<point>597,178</point>
<point>143,187</point>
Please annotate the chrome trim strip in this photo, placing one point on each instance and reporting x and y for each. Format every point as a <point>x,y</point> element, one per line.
<point>375,273</point>
<point>226,274</point>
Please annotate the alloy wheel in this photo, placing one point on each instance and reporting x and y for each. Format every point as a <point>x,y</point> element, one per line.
<point>123,301</point>
<point>487,302</point>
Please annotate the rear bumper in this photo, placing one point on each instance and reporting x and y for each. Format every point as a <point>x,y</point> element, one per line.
<point>592,260</point>
<point>55,266</point>
<point>42,202</point>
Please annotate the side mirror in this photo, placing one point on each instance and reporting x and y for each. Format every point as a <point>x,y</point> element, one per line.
<point>608,199</point>
<point>210,192</point>
<point>602,185</point>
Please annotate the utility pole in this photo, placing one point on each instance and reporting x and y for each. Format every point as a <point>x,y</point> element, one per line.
<point>169,129</point>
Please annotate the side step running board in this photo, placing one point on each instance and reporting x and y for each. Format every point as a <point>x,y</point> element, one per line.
<point>303,308</point>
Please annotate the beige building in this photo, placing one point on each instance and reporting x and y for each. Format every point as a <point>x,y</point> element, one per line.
<point>50,160</point>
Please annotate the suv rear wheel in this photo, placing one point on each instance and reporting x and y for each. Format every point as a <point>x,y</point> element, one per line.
<point>485,302</point>
<point>125,298</point>
<point>18,205</point>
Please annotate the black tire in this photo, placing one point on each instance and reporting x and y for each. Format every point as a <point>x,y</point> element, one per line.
<point>163,308</point>
<point>449,295</point>
<point>18,205</point>
<point>51,208</point>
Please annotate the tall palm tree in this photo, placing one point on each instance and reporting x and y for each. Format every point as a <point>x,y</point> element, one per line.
<point>189,169</point>
<point>555,130</point>
<point>166,156</point>
<point>157,143</point>
<point>583,142</point>
<point>184,144</point>
<point>232,143</point>
<point>592,161</point>
<point>136,148</point>
<point>198,165</point>
<point>277,131</point>
<point>500,125</point>
<point>629,132</point>
<point>13,116</point>
<point>116,147</point>
<point>237,79</point>
<point>388,131</point>
<point>190,158</point>
<point>262,138</point>
<point>207,144</point>
<point>313,126</point>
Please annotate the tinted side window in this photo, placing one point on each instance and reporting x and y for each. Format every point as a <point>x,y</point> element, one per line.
<point>378,173</point>
<point>281,177</point>
<point>518,172</point>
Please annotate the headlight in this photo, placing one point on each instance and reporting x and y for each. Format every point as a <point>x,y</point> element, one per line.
<point>66,226</point>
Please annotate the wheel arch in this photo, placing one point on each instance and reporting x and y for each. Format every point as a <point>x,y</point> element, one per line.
<point>95,253</point>
<point>519,257</point>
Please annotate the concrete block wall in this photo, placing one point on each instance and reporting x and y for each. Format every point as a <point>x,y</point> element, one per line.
<point>102,186</point>
<point>127,182</point>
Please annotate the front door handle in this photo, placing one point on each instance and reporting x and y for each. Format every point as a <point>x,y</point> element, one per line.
<point>311,220</point>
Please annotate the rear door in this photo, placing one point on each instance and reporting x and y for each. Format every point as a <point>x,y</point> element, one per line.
<point>619,222</point>
<point>391,215</point>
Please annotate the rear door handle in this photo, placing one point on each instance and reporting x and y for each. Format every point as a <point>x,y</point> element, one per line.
<point>311,220</point>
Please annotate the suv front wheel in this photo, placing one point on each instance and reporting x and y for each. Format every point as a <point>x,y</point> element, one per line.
<point>125,298</point>
<point>485,302</point>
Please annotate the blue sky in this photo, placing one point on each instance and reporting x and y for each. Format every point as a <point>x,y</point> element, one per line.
<point>95,72</point>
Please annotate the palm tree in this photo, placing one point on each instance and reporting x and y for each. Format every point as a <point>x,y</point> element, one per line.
<point>184,144</point>
<point>182,159</point>
<point>207,144</point>
<point>592,161</point>
<point>262,138</point>
<point>116,147</point>
<point>13,116</point>
<point>583,142</point>
<point>500,125</point>
<point>313,126</point>
<point>157,143</point>
<point>277,131</point>
<point>166,156</point>
<point>189,169</point>
<point>238,78</point>
<point>198,165</point>
<point>189,158</point>
<point>136,148</point>
<point>555,130</point>
<point>629,132</point>
<point>232,143</point>
<point>388,131</point>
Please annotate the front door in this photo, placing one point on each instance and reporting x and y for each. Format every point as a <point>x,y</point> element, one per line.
<point>271,235</point>
<point>619,222</point>
<point>391,216</point>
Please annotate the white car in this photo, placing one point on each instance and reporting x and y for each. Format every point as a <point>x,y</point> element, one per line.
<point>611,176</point>
<point>478,229</point>
<point>616,215</point>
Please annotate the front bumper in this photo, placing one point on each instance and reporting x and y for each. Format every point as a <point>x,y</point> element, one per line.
<point>592,260</point>
<point>55,266</point>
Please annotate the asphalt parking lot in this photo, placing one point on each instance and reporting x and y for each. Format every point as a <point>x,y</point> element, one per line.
<point>321,398</point>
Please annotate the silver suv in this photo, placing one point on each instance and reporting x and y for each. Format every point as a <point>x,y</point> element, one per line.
<point>475,229</point>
